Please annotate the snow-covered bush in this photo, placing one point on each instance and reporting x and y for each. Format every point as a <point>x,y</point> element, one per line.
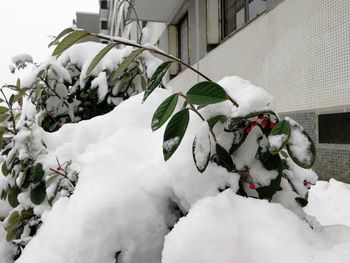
<point>240,144</point>
<point>58,91</point>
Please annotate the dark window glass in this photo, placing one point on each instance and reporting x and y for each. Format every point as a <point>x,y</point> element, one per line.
<point>104,5</point>
<point>104,24</point>
<point>334,128</point>
<point>235,13</point>
<point>183,40</point>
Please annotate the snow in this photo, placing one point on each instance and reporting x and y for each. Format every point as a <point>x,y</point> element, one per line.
<point>21,59</point>
<point>329,202</point>
<point>230,228</point>
<point>276,141</point>
<point>128,199</point>
<point>300,145</point>
<point>101,84</point>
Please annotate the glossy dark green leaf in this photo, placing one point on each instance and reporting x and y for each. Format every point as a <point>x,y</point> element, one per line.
<point>37,173</point>
<point>225,158</point>
<point>174,132</point>
<point>267,192</point>
<point>60,35</point>
<point>280,132</point>
<point>156,78</point>
<point>38,193</point>
<point>214,120</point>
<point>69,40</point>
<point>201,151</point>
<point>301,201</point>
<point>123,67</point>
<point>98,57</point>
<point>164,111</point>
<point>310,149</point>
<point>270,161</point>
<point>205,93</point>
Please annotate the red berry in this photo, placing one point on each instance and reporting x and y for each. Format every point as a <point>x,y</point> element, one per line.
<point>252,186</point>
<point>248,129</point>
<point>272,125</point>
<point>58,168</point>
<point>253,123</point>
<point>263,123</point>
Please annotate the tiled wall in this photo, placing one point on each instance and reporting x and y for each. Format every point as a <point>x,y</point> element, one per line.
<point>299,52</point>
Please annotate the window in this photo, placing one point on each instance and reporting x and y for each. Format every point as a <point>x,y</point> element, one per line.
<point>104,24</point>
<point>236,13</point>
<point>334,128</point>
<point>183,40</point>
<point>104,4</point>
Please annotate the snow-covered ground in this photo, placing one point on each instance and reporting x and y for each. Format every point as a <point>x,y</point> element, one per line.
<point>122,202</point>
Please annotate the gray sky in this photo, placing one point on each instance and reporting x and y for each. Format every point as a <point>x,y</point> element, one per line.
<point>26,24</point>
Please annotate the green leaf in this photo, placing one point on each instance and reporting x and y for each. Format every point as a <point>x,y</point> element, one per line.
<point>5,171</point>
<point>38,193</point>
<point>123,67</point>
<point>60,35</point>
<point>267,192</point>
<point>12,225</point>
<point>3,109</point>
<point>301,201</point>
<point>174,132</point>
<point>201,151</point>
<point>98,57</point>
<point>69,40</point>
<point>18,84</point>
<point>12,196</point>
<point>143,83</point>
<point>309,148</point>
<point>269,161</point>
<point>214,120</point>
<point>205,93</point>
<point>37,173</point>
<point>235,145</point>
<point>156,78</point>
<point>225,158</point>
<point>4,117</point>
<point>164,111</point>
<point>280,132</point>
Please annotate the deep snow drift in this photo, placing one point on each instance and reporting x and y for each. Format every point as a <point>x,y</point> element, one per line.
<point>122,201</point>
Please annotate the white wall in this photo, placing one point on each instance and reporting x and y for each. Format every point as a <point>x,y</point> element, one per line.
<point>299,52</point>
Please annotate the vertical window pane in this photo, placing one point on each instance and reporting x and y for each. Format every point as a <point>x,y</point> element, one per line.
<point>183,40</point>
<point>256,7</point>
<point>233,15</point>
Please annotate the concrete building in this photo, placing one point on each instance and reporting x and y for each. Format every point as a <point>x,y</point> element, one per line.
<point>89,22</point>
<point>298,50</point>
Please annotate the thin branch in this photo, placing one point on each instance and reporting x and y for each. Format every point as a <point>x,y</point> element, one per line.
<point>11,112</point>
<point>193,108</point>
<point>162,53</point>
<point>153,50</point>
<point>57,172</point>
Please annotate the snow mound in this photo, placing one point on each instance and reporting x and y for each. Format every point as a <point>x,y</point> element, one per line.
<point>329,202</point>
<point>128,199</point>
<point>230,228</point>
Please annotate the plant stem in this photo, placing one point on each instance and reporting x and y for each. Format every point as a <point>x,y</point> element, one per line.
<point>57,172</point>
<point>11,112</point>
<point>193,108</point>
<point>159,52</point>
